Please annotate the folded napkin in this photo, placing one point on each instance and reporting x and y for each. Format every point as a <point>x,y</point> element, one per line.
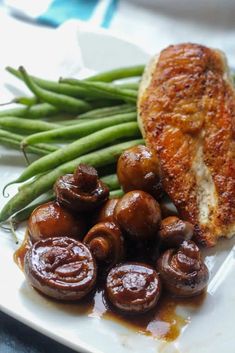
<point>153,24</point>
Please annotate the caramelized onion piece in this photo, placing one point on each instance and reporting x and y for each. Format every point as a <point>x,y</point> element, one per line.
<point>173,231</point>
<point>138,213</point>
<point>139,169</point>
<point>52,220</point>
<point>182,271</point>
<point>133,287</point>
<point>105,241</point>
<point>81,191</point>
<point>61,268</point>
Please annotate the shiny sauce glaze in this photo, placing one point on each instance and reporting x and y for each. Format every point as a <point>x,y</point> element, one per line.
<point>162,322</point>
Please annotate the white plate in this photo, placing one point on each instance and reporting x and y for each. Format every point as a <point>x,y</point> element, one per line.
<point>211,326</point>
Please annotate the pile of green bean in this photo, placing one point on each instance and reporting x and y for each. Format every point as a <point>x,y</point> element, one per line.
<point>66,123</point>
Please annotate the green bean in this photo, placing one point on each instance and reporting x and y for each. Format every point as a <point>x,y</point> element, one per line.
<point>61,101</point>
<point>37,111</point>
<point>70,122</point>
<point>16,145</point>
<point>76,131</point>
<point>82,92</point>
<point>28,125</point>
<point>108,111</point>
<point>101,113</point>
<point>116,193</point>
<point>78,148</point>
<point>98,158</point>
<point>116,74</point>
<point>18,138</point>
<point>56,87</point>
<point>24,214</point>
<point>28,101</point>
<point>111,181</point>
<point>105,90</point>
<point>129,85</point>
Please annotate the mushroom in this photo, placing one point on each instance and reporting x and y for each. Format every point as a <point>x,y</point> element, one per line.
<point>139,169</point>
<point>138,213</point>
<point>106,212</point>
<point>82,191</point>
<point>106,243</point>
<point>52,220</point>
<point>168,209</point>
<point>133,287</point>
<point>182,271</point>
<point>61,268</point>
<point>173,231</point>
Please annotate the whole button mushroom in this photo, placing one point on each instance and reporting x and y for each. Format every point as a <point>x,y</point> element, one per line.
<point>61,268</point>
<point>82,191</point>
<point>138,213</point>
<point>52,220</point>
<point>139,169</point>
<point>173,231</point>
<point>133,287</point>
<point>106,212</point>
<point>182,271</point>
<point>106,242</point>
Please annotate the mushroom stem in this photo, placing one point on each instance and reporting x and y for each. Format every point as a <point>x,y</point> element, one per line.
<point>100,248</point>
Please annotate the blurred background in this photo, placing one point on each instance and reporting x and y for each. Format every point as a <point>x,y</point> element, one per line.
<point>153,24</point>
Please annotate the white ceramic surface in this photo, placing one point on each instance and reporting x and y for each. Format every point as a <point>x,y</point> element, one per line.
<point>210,328</point>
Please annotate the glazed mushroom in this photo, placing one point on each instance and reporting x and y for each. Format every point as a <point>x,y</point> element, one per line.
<point>82,191</point>
<point>61,268</point>
<point>106,242</point>
<point>182,271</point>
<point>52,220</point>
<point>133,287</point>
<point>138,213</point>
<point>168,209</point>
<point>139,169</point>
<point>106,212</point>
<point>173,231</point>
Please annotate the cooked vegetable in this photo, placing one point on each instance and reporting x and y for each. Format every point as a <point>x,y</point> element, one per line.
<point>106,91</point>
<point>28,125</point>
<point>117,74</point>
<point>182,270</point>
<point>133,287</point>
<point>78,148</point>
<point>138,214</point>
<point>81,191</point>
<point>106,243</point>
<point>14,141</point>
<point>61,101</point>
<point>75,131</point>
<point>108,111</point>
<point>24,214</point>
<point>99,101</point>
<point>98,158</point>
<point>73,274</point>
<point>52,220</point>
<point>37,111</point>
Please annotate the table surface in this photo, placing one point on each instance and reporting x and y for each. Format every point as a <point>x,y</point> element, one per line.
<point>16,337</point>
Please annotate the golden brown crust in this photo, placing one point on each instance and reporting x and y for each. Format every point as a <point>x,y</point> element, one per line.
<point>188,116</point>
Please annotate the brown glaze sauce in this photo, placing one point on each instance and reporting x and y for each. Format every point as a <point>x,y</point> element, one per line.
<point>162,322</point>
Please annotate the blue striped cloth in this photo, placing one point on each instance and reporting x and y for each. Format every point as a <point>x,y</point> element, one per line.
<point>55,12</point>
<point>152,24</point>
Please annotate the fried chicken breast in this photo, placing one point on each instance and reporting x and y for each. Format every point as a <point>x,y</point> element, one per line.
<point>186,111</point>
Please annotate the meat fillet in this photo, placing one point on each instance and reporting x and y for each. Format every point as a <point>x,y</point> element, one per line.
<point>186,111</point>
